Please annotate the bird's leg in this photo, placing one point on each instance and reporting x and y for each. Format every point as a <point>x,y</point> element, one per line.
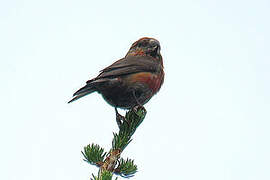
<point>137,101</point>
<point>135,108</point>
<point>119,118</point>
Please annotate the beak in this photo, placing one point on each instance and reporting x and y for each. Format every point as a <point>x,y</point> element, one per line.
<point>156,49</point>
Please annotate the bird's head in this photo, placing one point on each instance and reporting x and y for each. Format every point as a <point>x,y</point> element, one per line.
<point>145,47</point>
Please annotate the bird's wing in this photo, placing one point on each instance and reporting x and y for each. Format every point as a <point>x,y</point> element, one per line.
<point>129,65</point>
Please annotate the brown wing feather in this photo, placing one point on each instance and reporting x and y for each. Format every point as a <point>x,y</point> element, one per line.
<point>129,65</point>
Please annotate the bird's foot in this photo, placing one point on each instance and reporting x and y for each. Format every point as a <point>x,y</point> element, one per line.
<point>120,119</point>
<point>138,107</point>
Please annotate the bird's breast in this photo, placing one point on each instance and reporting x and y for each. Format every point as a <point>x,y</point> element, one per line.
<point>152,80</point>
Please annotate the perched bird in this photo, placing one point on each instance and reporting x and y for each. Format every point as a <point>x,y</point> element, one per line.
<point>132,80</point>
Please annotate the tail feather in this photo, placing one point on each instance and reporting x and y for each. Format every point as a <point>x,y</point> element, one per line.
<point>82,92</point>
<point>87,88</point>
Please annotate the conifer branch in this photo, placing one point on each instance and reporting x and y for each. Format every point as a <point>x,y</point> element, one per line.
<point>95,155</point>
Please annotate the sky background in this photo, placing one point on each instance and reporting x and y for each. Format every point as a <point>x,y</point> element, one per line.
<point>209,121</point>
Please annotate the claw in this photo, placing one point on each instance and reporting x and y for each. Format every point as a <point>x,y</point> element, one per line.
<point>119,118</point>
<point>138,107</point>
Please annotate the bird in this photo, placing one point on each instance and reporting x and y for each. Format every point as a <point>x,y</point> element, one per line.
<point>131,81</point>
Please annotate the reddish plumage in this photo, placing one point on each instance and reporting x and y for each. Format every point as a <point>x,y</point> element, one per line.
<point>132,80</point>
<point>153,81</point>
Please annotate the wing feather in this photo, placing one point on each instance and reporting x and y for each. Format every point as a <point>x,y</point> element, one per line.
<point>130,65</point>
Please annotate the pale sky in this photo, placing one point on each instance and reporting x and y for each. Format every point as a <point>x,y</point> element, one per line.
<point>210,120</point>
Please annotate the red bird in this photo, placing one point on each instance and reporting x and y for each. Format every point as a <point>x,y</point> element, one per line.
<point>132,80</point>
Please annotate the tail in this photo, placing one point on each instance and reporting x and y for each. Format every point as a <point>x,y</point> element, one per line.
<point>87,89</point>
